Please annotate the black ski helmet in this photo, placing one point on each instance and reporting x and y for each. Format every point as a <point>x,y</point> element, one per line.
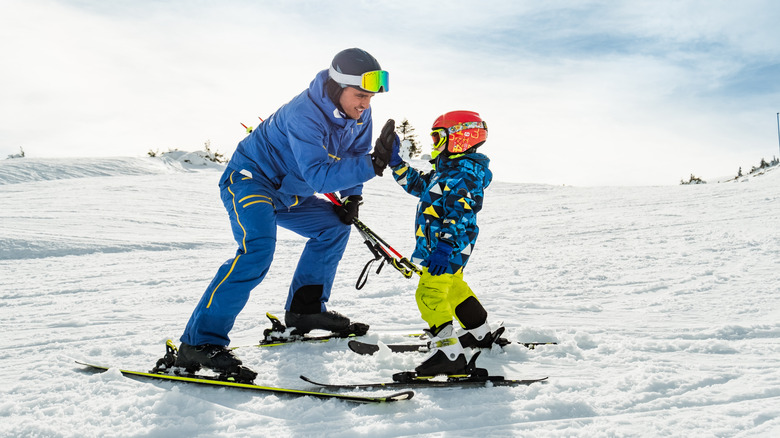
<point>353,62</point>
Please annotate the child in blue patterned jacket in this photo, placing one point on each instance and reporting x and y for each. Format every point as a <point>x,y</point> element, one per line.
<point>446,231</point>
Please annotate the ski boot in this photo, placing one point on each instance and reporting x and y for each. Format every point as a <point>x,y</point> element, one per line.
<point>446,355</point>
<point>483,337</point>
<point>335,322</point>
<point>217,358</point>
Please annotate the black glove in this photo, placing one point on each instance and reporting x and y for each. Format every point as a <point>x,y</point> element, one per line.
<point>348,210</point>
<point>383,148</point>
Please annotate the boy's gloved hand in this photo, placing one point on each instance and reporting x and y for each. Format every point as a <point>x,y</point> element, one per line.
<point>395,156</point>
<point>439,260</point>
<point>383,148</point>
<point>348,210</point>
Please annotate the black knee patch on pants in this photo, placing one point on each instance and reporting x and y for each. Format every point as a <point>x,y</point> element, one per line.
<point>306,299</point>
<point>470,313</point>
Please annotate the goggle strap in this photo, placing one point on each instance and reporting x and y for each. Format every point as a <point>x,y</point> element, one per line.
<point>466,125</point>
<point>345,79</point>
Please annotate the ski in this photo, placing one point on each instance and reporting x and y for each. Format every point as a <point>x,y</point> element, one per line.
<point>472,377</point>
<point>465,382</point>
<point>467,340</point>
<point>279,334</point>
<point>212,381</point>
<point>369,349</point>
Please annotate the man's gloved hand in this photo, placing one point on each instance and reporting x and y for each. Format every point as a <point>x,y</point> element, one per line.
<point>383,148</point>
<point>439,260</point>
<point>348,210</point>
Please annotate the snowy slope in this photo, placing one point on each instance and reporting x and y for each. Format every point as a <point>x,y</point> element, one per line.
<point>664,302</point>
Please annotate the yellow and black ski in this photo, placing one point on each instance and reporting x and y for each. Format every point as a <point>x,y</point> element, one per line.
<point>212,381</point>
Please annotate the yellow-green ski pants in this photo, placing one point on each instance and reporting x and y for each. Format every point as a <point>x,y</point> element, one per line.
<point>438,296</point>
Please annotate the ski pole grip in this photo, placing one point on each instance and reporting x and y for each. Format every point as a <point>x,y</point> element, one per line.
<point>412,267</point>
<point>397,264</point>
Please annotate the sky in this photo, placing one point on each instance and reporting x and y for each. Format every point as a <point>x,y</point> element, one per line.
<point>574,92</point>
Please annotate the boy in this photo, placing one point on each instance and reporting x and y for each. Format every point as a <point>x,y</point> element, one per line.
<point>446,230</point>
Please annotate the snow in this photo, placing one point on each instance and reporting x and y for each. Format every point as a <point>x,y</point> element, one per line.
<point>663,301</point>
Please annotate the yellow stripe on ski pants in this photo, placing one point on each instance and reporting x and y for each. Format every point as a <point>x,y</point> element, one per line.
<point>438,296</point>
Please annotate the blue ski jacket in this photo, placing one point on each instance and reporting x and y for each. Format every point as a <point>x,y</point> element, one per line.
<point>308,146</point>
<point>450,198</point>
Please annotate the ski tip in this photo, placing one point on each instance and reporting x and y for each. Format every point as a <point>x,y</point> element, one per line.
<point>399,396</point>
<point>362,348</point>
<point>306,379</point>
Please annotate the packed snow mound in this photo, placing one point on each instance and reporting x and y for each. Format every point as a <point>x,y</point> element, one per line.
<point>48,169</point>
<point>663,302</point>
<point>190,160</point>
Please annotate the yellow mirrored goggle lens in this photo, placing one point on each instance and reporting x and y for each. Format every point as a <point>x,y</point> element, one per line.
<point>374,81</point>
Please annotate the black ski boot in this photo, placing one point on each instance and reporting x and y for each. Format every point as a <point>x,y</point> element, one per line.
<point>331,321</point>
<point>446,357</point>
<point>217,358</point>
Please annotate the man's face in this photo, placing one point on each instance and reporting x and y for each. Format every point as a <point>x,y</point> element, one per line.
<point>354,101</point>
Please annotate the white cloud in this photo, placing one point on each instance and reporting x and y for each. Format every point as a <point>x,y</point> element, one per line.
<point>574,92</point>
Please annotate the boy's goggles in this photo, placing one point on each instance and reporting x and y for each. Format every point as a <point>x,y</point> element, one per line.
<point>376,81</point>
<point>439,137</point>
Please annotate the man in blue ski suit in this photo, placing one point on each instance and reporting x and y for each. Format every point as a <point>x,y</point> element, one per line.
<point>319,142</point>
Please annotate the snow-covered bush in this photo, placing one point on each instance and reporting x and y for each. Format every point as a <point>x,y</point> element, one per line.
<point>693,180</point>
<point>19,155</point>
<point>191,157</point>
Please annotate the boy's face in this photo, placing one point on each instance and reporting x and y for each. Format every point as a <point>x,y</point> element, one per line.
<point>354,101</point>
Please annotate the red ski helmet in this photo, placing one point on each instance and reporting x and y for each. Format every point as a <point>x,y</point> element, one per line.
<point>459,130</point>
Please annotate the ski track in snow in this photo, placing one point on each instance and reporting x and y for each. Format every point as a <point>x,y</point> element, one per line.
<point>663,301</point>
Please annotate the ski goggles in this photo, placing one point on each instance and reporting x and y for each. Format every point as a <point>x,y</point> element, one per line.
<point>371,81</point>
<point>439,137</point>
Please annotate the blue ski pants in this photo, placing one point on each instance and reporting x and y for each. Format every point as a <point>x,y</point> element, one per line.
<point>251,206</point>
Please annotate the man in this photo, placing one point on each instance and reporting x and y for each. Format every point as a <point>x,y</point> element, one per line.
<point>319,142</point>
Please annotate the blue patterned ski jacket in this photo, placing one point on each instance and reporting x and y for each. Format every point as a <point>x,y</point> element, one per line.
<point>307,146</point>
<point>450,198</point>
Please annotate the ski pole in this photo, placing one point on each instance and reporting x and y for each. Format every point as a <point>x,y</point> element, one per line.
<point>380,249</point>
<point>402,264</point>
<point>361,226</point>
<point>249,129</point>
<point>379,252</point>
